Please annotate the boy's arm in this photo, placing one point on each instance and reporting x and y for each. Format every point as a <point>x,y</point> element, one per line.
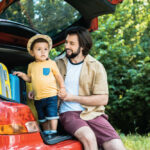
<point>22,75</point>
<point>60,80</point>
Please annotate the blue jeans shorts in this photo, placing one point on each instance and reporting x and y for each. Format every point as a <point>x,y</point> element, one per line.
<point>46,108</point>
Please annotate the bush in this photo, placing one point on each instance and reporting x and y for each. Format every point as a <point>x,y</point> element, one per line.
<point>122,44</point>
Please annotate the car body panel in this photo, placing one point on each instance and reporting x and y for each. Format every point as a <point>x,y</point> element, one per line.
<point>34,141</point>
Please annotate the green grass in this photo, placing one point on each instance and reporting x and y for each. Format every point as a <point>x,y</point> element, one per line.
<point>136,142</point>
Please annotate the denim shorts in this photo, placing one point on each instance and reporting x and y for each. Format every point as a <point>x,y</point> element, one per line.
<point>46,108</point>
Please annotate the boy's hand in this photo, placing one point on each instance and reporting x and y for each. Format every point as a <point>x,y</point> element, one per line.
<point>68,97</point>
<point>62,92</point>
<point>19,74</point>
<point>24,76</point>
<point>31,95</point>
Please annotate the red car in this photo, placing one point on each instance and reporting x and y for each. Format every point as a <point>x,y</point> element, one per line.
<point>19,20</point>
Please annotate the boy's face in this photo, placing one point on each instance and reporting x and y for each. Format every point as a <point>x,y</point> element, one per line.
<point>40,51</point>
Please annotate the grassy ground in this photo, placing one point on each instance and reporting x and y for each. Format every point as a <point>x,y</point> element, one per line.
<point>136,142</point>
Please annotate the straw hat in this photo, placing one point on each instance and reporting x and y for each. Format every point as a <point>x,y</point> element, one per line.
<point>38,36</point>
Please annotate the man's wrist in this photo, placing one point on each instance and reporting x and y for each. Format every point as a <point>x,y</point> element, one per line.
<point>62,87</point>
<point>74,98</point>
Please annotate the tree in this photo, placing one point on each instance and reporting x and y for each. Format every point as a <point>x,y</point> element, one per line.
<point>122,44</point>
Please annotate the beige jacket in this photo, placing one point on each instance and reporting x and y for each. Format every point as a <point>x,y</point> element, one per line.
<point>93,81</point>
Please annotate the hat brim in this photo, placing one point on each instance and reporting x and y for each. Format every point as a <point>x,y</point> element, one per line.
<point>38,36</point>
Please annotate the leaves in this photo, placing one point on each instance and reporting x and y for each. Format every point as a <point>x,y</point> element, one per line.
<point>122,44</point>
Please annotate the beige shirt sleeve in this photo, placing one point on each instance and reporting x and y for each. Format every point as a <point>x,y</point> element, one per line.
<point>100,84</point>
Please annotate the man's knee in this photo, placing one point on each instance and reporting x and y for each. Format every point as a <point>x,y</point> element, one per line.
<point>85,134</point>
<point>114,144</point>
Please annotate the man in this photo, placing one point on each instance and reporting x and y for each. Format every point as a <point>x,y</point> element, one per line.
<point>82,110</point>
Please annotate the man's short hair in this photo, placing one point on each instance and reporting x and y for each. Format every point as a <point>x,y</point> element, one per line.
<point>84,38</point>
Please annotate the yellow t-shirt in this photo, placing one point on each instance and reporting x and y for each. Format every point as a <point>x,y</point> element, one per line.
<point>43,78</point>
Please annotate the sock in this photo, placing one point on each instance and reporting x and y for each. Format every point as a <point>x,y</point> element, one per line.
<point>47,131</point>
<point>53,131</point>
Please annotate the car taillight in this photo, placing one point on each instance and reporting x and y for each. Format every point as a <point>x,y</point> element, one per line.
<point>16,119</point>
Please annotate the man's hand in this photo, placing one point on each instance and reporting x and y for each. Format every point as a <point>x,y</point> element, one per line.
<point>93,100</point>
<point>62,92</point>
<point>67,97</point>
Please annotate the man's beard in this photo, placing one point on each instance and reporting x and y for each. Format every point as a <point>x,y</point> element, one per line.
<point>73,55</point>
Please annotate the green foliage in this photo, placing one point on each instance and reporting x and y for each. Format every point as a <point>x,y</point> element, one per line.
<point>136,142</point>
<point>53,53</point>
<point>122,44</point>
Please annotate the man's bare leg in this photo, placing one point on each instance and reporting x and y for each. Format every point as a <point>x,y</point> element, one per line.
<point>115,144</point>
<point>87,137</point>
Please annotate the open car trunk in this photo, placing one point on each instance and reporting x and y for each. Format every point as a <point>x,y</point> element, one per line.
<point>19,20</point>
